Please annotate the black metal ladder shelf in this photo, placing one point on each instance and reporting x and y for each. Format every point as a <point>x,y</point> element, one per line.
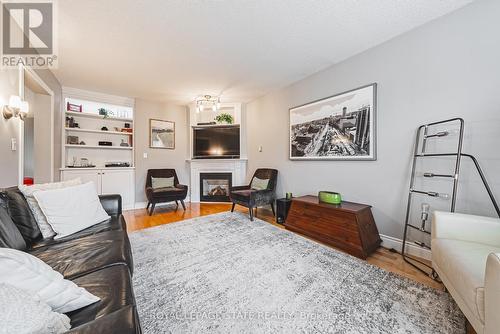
<point>420,153</point>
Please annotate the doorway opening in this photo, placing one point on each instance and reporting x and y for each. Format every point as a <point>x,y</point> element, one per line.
<point>36,156</point>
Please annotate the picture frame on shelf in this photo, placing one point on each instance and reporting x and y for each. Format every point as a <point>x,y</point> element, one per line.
<point>161,134</point>
<point>339,127</point>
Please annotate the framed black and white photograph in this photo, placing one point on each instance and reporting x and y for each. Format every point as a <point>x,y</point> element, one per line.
<point>161,134</point>
<point>340,127</point>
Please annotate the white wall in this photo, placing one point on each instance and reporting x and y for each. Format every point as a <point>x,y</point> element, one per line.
<point>159,158</point>
<point>447,68</point>
<point>9,85</point>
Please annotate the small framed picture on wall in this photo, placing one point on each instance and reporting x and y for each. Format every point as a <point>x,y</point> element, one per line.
<point>161,134</point>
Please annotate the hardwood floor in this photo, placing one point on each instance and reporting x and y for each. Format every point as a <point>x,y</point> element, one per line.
<point>383,258</point>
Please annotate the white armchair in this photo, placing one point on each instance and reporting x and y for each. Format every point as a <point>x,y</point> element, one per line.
<point>466,255</point>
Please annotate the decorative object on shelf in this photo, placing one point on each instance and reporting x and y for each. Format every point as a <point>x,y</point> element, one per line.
<point>105,113</point>
<point>104,128</point>
<point>329,197</point>
<point>341,127</point>
<point>128,130</point>
<point>161,134</point>
<point>288,196</point>
<point>15,108</point>
<point>207,123</point>
<point>224,118</point>
<point>124,144</point>
<point>82,143</point>
<point>84,162</point>
<point>105,143</point>
<point>73,107</point>
<point>117,164</point>
<point>76,125</point>
<point>127,126</point>
<point>70,122</point>
<point>207,102</point>
<point>72,140</point>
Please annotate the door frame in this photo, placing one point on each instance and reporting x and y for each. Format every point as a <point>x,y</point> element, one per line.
<point>31,72</point>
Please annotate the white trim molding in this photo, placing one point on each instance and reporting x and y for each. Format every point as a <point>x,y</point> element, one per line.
<point>98,97</point>
<point>412,249</point>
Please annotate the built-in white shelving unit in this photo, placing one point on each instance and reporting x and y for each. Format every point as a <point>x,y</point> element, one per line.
<point>118,129</point>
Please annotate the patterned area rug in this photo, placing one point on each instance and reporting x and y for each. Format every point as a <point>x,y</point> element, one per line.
<point>225,274</point>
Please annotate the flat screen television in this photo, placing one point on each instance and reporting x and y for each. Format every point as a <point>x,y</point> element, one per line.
<point>216,142</point>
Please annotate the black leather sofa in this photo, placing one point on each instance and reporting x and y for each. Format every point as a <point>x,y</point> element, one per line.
<point>98,259</point>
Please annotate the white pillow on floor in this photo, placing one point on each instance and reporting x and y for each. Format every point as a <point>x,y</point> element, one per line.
<point>22,313</point>
<point>28,191</point>
<point>29,273</point>
<point>70,210</point>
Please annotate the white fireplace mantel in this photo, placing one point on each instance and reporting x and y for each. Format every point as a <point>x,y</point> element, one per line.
<point>237,167</point>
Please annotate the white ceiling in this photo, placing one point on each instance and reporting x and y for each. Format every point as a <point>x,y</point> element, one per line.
<point>177,49</point>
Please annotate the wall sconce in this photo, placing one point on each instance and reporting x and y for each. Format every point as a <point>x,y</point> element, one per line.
<point>15,108</point>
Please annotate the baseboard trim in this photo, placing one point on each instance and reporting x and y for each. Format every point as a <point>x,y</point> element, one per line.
<point>412,249</point>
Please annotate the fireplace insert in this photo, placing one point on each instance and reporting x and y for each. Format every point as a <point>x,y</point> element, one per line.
<point>214,187</point>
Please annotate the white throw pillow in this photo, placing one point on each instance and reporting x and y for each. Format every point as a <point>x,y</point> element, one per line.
<point>28,191</point>
<point>162,182</point>
<point>23,313</point>
<point>29,273</point>
<point>259,184</point>
<point>72,209</point>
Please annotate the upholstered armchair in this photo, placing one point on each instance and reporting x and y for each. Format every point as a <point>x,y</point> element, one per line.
<point>466,255</point>
<point>261,191</point>
<point>177,192</point>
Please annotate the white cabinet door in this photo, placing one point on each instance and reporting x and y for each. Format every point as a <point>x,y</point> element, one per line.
<point>85,176</point>
<point>119,182</point>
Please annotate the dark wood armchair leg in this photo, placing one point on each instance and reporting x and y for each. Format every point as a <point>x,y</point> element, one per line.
<point>176,203</point>
<point>183,205</point>
<point>152,208</point>
<point>250,210</point>
<point>232,208</point>
<point>272,208</point>
<point>147,207</point>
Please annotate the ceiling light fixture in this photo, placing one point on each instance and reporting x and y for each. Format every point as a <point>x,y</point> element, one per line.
<point>15,108</point>
<point>207,101</point>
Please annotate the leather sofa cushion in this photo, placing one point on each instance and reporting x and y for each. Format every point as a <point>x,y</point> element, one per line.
<point>78,257</point>
<point>21,215</point>
<point>123,321</point>
<point>113,285</point>
<point>115,223</point>
<point>10,237</point>
<point>464,263</point>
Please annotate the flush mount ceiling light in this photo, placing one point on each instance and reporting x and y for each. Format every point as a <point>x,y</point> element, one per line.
<point>207,102</point>
<point>15,108</point>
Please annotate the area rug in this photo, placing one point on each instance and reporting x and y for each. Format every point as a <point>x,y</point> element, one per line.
<point>225,274</point>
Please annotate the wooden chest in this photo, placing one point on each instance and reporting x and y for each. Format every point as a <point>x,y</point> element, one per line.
<point>347,226</point>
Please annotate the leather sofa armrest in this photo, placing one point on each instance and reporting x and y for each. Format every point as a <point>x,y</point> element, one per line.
<point>181,186</point>
<point>492,294</point>
<point>112,204</point>
<point>457,226</point>
<point>239,188</point>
